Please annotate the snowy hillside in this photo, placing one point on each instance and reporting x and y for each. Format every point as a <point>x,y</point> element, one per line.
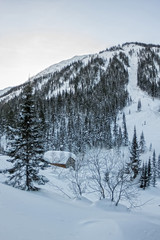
<point>49,214</point>
<point>4,91</point>
<point>98,87</point>
<point>60,65</point>
<point>43,75</point>
<point>148,118</point>
<point>134,52</point>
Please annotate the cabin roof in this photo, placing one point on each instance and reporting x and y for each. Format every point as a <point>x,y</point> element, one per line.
<point>58,156</point>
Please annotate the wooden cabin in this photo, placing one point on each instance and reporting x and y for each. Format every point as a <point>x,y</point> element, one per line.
<point>60,159</point>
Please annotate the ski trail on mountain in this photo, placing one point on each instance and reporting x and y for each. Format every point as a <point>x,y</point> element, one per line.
<point>148,118</point>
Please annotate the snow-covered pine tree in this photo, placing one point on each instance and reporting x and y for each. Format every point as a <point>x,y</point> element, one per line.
<point>150,147</point>
<point>134,156</point>
<point>144,176</point>
<point>26,147</point>
<point>115,133</point>
<point>149,172</point>
<point>125,133</point>
<point>154,169</point>
<point>142,144</point>
<point>120,138</point>
<point>158,167</point>
<point>139,105</point>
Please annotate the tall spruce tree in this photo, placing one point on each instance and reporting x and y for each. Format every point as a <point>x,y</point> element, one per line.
<point>139,106</point>
<point>158,167</point>
<point>26,147</point>
<point>125,133</point>
<point>142,144</point>
<point>134,155</point>
<point>149,171</point>
<point>115,133</point>
<point>154,169</point>
<point>144,177</point>
<point>120,138</point>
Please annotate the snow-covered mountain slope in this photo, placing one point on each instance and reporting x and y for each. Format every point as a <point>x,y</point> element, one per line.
<point>141,62</point>
<point>43,77</point>
<point>2,92</point>
<point>148,118</point>
<point>59,66</point>
<point>131,50</point>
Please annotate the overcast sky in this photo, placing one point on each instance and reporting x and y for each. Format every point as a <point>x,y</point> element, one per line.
<point>35,34</point>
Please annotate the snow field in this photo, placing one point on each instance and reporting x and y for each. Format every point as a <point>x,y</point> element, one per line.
<point>49,214</point>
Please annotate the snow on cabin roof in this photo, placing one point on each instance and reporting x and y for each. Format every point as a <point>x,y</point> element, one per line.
<point>58,156</point>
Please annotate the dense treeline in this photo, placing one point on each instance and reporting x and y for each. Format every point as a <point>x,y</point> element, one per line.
<point>148,71</point>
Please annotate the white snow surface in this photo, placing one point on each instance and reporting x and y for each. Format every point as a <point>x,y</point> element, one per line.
<point>58,156</point>
<point>4,91</point>
<point>58,66</point>
<point>47,215</point>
